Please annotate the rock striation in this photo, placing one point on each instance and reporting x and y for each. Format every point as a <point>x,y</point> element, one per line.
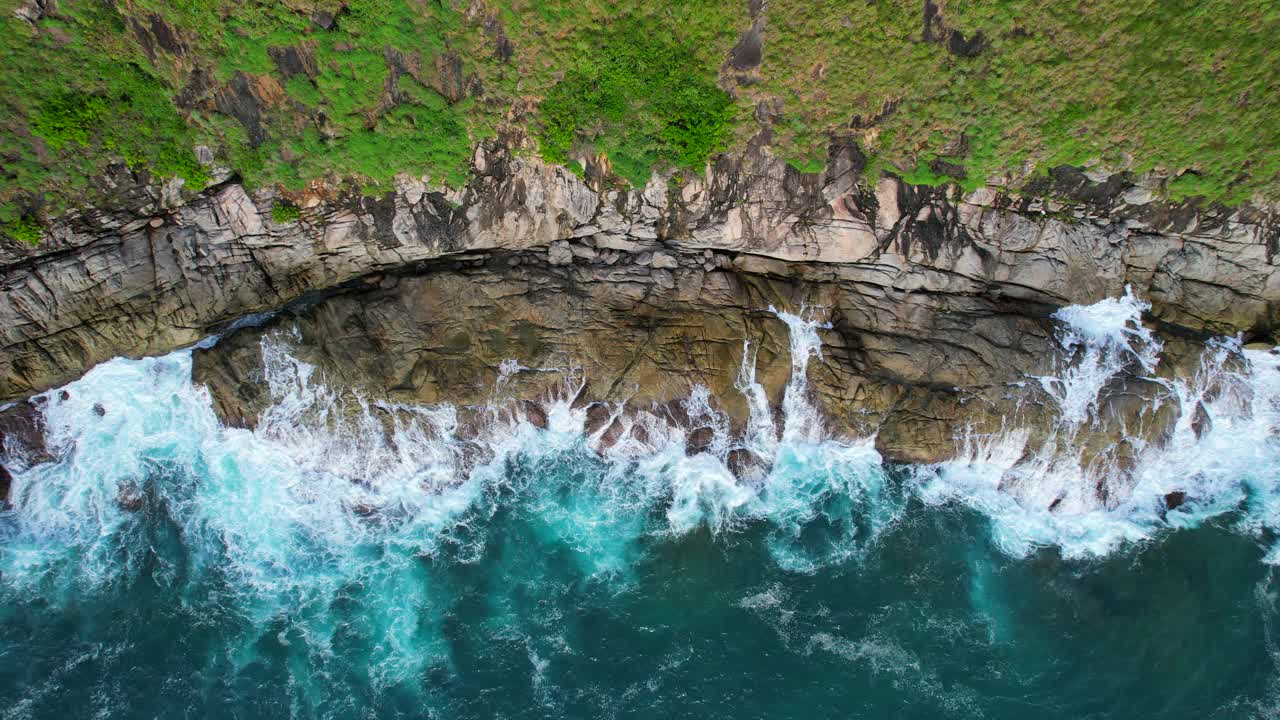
<point>938,302</point>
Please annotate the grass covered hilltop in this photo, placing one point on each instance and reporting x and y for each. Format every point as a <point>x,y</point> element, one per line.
<point>286,92</point>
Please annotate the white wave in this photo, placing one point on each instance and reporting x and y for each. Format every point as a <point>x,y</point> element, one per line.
<point>1098,341</point>
<point>293,511</point>
<point>1219,456</point>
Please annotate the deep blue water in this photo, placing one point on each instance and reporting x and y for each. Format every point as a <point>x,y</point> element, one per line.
<point>507,619</point>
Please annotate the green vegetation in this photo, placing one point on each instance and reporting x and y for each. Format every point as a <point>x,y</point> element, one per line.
<point>285,213</point>
<point>290,93</point>
<point>1146,84</point>
<point>24,229</point>
<point>640,97</point>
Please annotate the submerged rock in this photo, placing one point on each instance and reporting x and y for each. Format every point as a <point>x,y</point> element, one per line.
<point>131,497</point>
<point>6,484</point>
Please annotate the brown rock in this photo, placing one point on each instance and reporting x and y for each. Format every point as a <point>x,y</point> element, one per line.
<point>699,440</point>
<point>534,413</point>
<point>22,430</point>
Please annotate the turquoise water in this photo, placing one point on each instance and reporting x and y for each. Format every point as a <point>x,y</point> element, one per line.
<point>332,568</point>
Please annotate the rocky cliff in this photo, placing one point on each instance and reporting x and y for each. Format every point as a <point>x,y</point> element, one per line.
<point>937,302</point>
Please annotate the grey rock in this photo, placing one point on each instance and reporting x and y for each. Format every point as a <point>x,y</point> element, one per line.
<point>559,253</point>
<point>930,289</point>
<point>663,261</point>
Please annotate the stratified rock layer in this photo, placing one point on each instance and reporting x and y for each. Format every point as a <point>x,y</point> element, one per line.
<point>934,299</point>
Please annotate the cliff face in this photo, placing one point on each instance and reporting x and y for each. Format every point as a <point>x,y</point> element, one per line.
<point>933,299</point>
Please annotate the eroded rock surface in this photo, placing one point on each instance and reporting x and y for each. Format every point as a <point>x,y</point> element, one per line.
<point>934,298</point>
<point>915,368</point>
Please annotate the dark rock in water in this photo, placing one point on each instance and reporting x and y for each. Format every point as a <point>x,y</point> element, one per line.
<point>472,454</point>
<point>639,433</point>
<point>22,431</point>
<point>6,483</point>
<point>746,465</point>
<point>1131,414</point>
<point>597,415</point>
<point>99,410</point>
<point>1200,421</point>
<point>534,413</point>
<point>600,417</point>
<point>676,413</point>
<point>364,510</point>
<point>130,497</point>
<point>64,396</point>
<point>699,440</point>
<point>1056,502</point>
<point>1174,500</point>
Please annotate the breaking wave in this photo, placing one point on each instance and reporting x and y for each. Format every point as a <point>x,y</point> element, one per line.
<point>1194,448</point>
<point>320,528</point>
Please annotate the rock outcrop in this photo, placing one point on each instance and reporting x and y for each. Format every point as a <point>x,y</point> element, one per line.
<point>937,300</point>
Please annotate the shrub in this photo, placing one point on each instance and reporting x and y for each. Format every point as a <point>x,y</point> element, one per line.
<point>25,229</point>
<point>285,212</point>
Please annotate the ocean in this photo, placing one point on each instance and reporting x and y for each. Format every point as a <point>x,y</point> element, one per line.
<point>333,563</point>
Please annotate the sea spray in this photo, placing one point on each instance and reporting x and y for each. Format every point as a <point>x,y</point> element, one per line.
<point>801,421</point>
<point>351,554</point>
<point>1219,455</point>
<point>1098,341</point>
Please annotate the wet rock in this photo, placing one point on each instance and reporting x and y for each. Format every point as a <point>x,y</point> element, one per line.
<point>1174,500</point>
<point>699,440</point>
<point>747,466</point>
<point>22,433</point>
<point>1201,423</point>
<point>600,420</point>
<point>99,410</point>
<point>598,414</point>
<point>534,413</point>
<point>130,497</point>
<point>6,485</point>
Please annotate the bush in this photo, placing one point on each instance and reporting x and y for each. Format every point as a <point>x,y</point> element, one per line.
<point>25,229</point>
<point>642,98</point>
<point>285,212</point>
<point>68,119</point>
